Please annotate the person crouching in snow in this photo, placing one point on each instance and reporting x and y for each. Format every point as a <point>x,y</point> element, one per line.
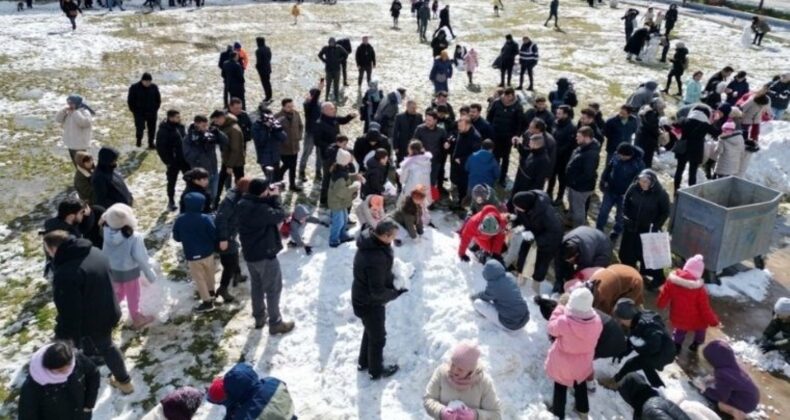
<point>415,171</point>
<point>409,215</point>
<point>128,259</point>
<point>370,212</point>
<point>575,328</point>
<point>501,302</point>
<point>689,306</point>
<point>246,396</point>
<point>299,219</point>
<point>181,404</point>
<point>487,230</point>
<point>777,334</point>
<point>340,197</point>
<point>613,283</point>
<point>730,388</point>
<point>647,403</point>
<point>461,389</point>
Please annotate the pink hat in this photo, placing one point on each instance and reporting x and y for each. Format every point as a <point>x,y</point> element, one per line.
<point>465,355</point>
<point>728,127</point>
<point>695,266</point>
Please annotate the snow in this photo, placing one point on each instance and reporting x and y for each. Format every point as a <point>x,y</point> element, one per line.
<point>752,284</point>
<point>749,351</point>
<point>769,165</point>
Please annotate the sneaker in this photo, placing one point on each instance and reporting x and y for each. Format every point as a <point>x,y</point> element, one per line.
<point>386,372</point>
<point>260,324</point>
<point>282,327</point>
<point>207,306</point>
<point>693,347</point>
<point>126,388</point>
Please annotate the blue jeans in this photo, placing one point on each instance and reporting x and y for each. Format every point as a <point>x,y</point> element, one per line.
<point>337,228</point>
<point>213,185</point>
<point>611,200</point>
<point>778,113</point>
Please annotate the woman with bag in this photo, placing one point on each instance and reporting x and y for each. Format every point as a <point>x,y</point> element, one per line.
<point>128,259</point>
<point>71,9</point>
<point>441,72</point>
<point>645,209</point>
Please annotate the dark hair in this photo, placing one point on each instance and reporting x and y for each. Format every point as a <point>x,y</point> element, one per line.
<point>569,250</point>
<point>381,153</point>
<point>741,74</point>
<point>172,113</point>
<point>463,109</point>
<point>728,69</point>
<point>540,99</point>
<point>538,137</point>
<point>625,108</point>
<point>286,101</point>
<point>69,206</point>
<point>234,54</point>
<point>539,124</point>
<point>476,106</point>
<point>235,101</point>
<point>508,37</point>
<point>59,354</point>
<point>431,113</point>
<point>595,106</point>
<point>217,113</point>
<point>341,139</point>
<point>588,112</point>
<point>55,238</point>
<point>385,227</point>
<point>200,119</point>
<point>195,174</point>
<point>586,132</point>
<point>509,91</point>
<point>761,99</point>
<point>465,118</point>
<point>488,144</point>
<point>416,146</point>
<point>567,110</point>
<point>147,76</point>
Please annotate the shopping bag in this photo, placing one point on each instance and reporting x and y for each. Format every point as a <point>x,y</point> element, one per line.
<point>655,250</point>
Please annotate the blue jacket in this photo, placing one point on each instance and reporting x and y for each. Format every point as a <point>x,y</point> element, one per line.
<point>247,395</point>
<point>482,168</point>
<point>619,174</point>
<point>502,291</point>
<point>195,230</point>
<point>616,132</point>
<point>441,67</point>
<point>267,143</point>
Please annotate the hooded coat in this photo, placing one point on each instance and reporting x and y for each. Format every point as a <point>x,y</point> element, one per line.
<point>108,185</point>
<point>482,168</point>
<point>128,257</point>
<point>570,358</point>
<point>689,305</point>
<point>263,57</point>
<point>62,401</point>
<point>415,170</point>
<point>501,291</point>
<point>143,100</point>
<point>615,282</point>
<point>77,128</point>
<point>195,230</point>
<point>637,41</point>
<point>732,385</point>
<point>375,177</point>
<point>227,221</point>
<point>694,128</point>
<point>259,233</point>
<point>582,169</point>
<point>643,210</point>
<point>646,402</point>
<point>564,95</point>
<point>373,278</point>
<point>651,340</point>
<point>268,142</point>
<point>643,95</point>
<point>492,244</point>
<point>250,397</point>
<point>595,249</point>
<point>620,174</point>
<point>342,190</point>
<point>403,131</point>
<point>169,140</point>
<point>82,179</point>
<point>540,218</point>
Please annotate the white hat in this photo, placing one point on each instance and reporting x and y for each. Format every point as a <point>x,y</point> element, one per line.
<point>118,216</point>
<point>343,157</point>
<point>782,307</point>
<point>580,303</point>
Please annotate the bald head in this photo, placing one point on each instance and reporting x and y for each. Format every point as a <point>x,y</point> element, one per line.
<point>328,109</point>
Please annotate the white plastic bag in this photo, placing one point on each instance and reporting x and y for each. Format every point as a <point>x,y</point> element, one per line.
<point>655,250</point>
<point>152,295</point>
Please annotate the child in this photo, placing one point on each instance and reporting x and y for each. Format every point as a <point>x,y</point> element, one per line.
<point>501,302</point>
<point>730,388</point>
<point>648,403</point>
<point>20,6</point>
<point>370,212</point>
<point>415,170</point>
<point>487,229</point>
<point>409,215</point>
<point>693,89</point>
<point>197,180</point>
<point>340,197</point>
<point>689,307</point>
<point>83,162</point>
<point>777,334</point>
<point>729,151</point>
<point>197,233</point>
<point>128,258</point>
<point>756,108</point>
<point>295,12</point>
<point>482,166</point>
<point>376,173</point>
<point>471,63</point>
<point>575,329</point>
<point>181,404</point>
<point>299,219</point>
<point>246,396</point>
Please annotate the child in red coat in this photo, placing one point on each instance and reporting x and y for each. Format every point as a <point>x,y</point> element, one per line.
<point>689,306</point>
<point>487,229</point>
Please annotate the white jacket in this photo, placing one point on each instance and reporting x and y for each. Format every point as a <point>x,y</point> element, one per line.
<point>415,170</point>
<point>77,128</point>
<point>728,153</point>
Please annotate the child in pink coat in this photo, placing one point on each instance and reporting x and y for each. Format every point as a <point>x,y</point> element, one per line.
<point>575,329</point>
<point>471,63</point>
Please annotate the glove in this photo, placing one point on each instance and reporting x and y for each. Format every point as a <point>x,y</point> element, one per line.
<point>402,291</point>
<point>767,346</point>
<point>464,258</point>
<point>448,414</point>
<point>528,236</point>
<point>308,250</point>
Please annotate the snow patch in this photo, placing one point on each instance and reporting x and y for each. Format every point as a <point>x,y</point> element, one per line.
<point>750,352</point>
<point>752,284</point>
<point>769,165</point>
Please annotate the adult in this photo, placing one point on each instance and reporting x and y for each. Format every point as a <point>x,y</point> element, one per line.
<point>108,185</point>
<point>540,110</point>
<point>613,283</point>
<point>760,27</point>
<point>583,247</point>
<point>77,122</point>
<point>505,116</point>
<point>582,174</point>
<point>293,127</point>
<point>200,149</point>
<point>268,136</point>
<point>439,43</point>
<point>467,142</point>
<point>737,88</point>
<point>679,63</point>
<point>403,131</point>
<point>637,41</point>
<point>670,19</point>
<point>312,111</point>
<point>690,149</point>
<point>441,72</point>
<point>527,59</point>
<point>444,20</point>
<point>617,176</point>
<point>619,129</point>
<point>565,137</point>
<point>325,133</point>
<point>259,213</point>
<point>242,117</point>
<point>227,224</point>
<point>554,8</point>
<point>388,110</point>
<point>234,153</point>
<point>647,132</point>
<point>720,76</point>
<point>169,138</point>
<point>332,55</point>
<point>373,287</point>
<point>507,59</point>
<point>71,9</point>
<point>233,73</point>
<point>646,401</point>
<point>87,310</point>
<point>536,214</point>
<point>779,92</point>
<point>244,58</point>
<point>74,216</point>
<point>365,57</point>
<point>480,124</point>
<point>643,95</point>
<point>423,16</point>
<point>370,142</point>
<point>565,94</point>
<point>263,63</point>
<point>144,101</point>
<point>534,166</point>
<point>432,137</point>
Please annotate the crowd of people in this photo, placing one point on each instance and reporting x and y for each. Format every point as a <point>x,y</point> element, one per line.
<point>398,169</point>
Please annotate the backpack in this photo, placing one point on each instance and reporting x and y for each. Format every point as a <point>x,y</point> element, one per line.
<point>285,228</point>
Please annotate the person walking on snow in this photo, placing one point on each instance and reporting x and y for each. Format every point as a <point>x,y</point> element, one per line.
<point>554,7</point>
<point>395,12</point>
<point>365,57</point>
<point>444,20</point>
<point>679,64</point>
<point>295,12</point>
<point>77,122</point>
<point>263,64</point>
<point>169,138</point>
<point>332,55</point>
<point>144,101</point>
<point>528,59</point>
<point>234,153</point>
<point>507,56</point>
<point>71,9</point>
<point>423,16</point>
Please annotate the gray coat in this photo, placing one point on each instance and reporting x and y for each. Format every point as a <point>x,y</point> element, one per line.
<point>502,291</point>
<point>595,249</point>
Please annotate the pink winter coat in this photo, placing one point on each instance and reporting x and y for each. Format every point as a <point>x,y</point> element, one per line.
<point>470,61</point>
<point>570,357</point>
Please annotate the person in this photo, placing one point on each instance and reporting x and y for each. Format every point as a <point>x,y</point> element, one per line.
<point>77,122</point>
<point>619,129</point>
<point>395,12</point>
<point>444,20</point>
<point>200,149</point>
<point>581,174</point>
<point>233,152</point>
<point>618,175</point>
<point>487,230</point>
<point>295,226</point>
<point>693,89</point>
<point>423,16</point>
<point>196,180</point>
<point>505,116</point>
<point>108,185</point>
<point>76,217</point>
<point>575,329</point>
<point>645,94</point>
<point>528,59</point>
<point>482,167</point>
<point>535,165</point>
<point>689,307</point>
<point>62,383</point>
<point>409,215</point>
<point>403,130</point>
<point>501,301</point>
<point>295,12</point>
<point>679,63</point>
<point>326,133</point>
<point>84,166</point>
<point>554,7</point>
<point>370,103</point>
<point>465,143</point>
<point>233,74</point>
<point>416,171</point>
<point>755,108</point>
<point>439,43</point>
<point>377,168</point>
<point>144,101</point>
<point>471,63</point>
<point>636,42</point>
<point>312,112</point>
<point>776,335</point>
<point>498,5</point>
<point>332,55</point>
<point>779,92</point>
<point>244,58</point>
<point>441,72</point>
<point>720,76</point>
<point>87,310</point>
<point>612,283</point>
<point>342,189</point>
<point>582,247</point>
<point>245,395</point>
<point>695,128</point>
<point>730,388</point>
<point>71,8</point>
<point>507,57</point>
<point>128,259</point>
<point>565,94</point>
<point>259,213</point>
<point>647,402</point>
<point>372,288</point>
<point>169,140</point>
<point>268,136</point>
<point>461,389</point>
<point>737,87</point>
<point>670,19</point>
<point>565,138</point>
<point>227,224</point>
<point>760,27</point>
<point>242,118</point>
<point>647,132</point>
<point>648,336</point>
<point>180,404</point>
<point>366,59</point>
<point>198,235</point>
<point>729,151</point>
<point>291,122</point>
<point>263,64</point>
<point>537,216</point>
<point>432,137</point>
<point>370,212</point>
<point>540,111</point>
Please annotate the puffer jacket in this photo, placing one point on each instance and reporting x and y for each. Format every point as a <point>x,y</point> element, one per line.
<point>582,169</point>
<point>688,302</point>
<point>752,112</point>
<point>482,168</point>
<point>234,152</point>
<point>595,249</point>
<point>250,397</point>
<point>341,190</point>
<point>259,233</point>
<point>492,244</point>
<point>373,278</point>
<point>195,230</point>
<point>646,401</point>
<point>541,219</point>
<point>127,256</point>
<point>77,128</point>
<point>293,127</point>
<point>200,148</point>
<point>501,290</point>
<point>63,401</point>
<point>227,221</point>
<point>779,92</point>
<point>415,170</point>
<point>646,211</point>
<point>651,340</point>
<point>732,385</point>
<point>694,128</point>
<point>570,358</point>
<point>614,282</point>
<point>268,141</point>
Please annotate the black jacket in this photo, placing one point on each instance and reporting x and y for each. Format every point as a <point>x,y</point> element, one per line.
<point>367,143</point>
<point>651,340</point>
<point>326,130</point>
<point>190,188</point>
<point>169,138</point>
<point>544,115</point>
<point>332,57</point>
<point>647,133</point>
<point>541,218</point>
<point>143,100</point>
<point>595,248</point>
<point>533,170</point>
<point>365,55</point>
<point>438,44</point>
<point>227,221</point>
<point>509,52</point>
<point>506,120</point>
<point>375,177</point>
<point>83,292</point>
<point>611,342</point>
<point>694,132</point>
<point>263,59</point>
<point>643,209</point>
<point>582,170</point>
<point>565,137</point>
<point>245,123</point>
<point>679,60</point>
<point>444,17</point>
<point>108,185</point>
<point>405,124</point>
<point>373,277</point>
<point>233,73</point>
<point>64,401</point>
<point>646,401</point>
<point>259,232</point>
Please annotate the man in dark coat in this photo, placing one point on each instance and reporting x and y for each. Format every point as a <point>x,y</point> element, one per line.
<point>648,131</point>
<point>583,247</point>
<point>534,164</point>
<point>582,174</point>
<point>466,142</point>
<point>618,175</point>
<point>507,59</point>
<point>263,63</point>
<point>366,60</point>
<point>144,101</point>
<point>325,133</point>
<point>481,125</point>
<point>200,149</point>
<point>168,146</point>
<point>646,401</point>
<point>536,214</point>
<point>505,115</point>
<point>565,137</point>
<point>670,19</point>
<point>108,185</point>
<point>332,55</point>
<point>227,224</point>
<point>223,57</point>
<point>636,42</point>
<point>540,111</point>
<point>695,127</point>
<point>619,129</point>
<point>233,73</point>
<point>371,141</point>
<point>372,289</point>
<point>242,117</point>
<point>433,138</point>
<point>444,20</point>
<point>85,301</point>
<point>423,16</point>
<point>403,131</point>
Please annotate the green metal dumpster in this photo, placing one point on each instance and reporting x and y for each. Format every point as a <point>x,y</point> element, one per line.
<point>727,221</point>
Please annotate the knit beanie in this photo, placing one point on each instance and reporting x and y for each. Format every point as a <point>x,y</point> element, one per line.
<point>782,307</point>
<point>489,225</point>
<point>182,403</point>
<point>374,126</point>
<point>377,202</point>
<point>465,355</point>
<point>258,186</point>
<point>695,266</point>
<point>343,157</point>
<point>625,308</point>
<point>118,216</point>
<point>580,303</point>
<point>216,392</point>
<point>525,200</point>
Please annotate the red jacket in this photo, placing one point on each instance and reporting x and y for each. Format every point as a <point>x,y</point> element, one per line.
<point>689,307</point>
<point>492,244</point>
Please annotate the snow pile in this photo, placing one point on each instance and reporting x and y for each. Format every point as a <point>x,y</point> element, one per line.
<point>750,352</point>
<point>752,284</point>
<point>769,166</point>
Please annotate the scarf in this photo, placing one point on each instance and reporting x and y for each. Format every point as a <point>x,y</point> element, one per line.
<point>44,376</point>
<point>465,383</point>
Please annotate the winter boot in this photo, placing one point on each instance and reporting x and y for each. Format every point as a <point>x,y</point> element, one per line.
<point>678,347</point>
<point>282,327</point>
<point>386,372</point>
<point>693,347</point>
<point>226,296</point>
<point>302,177</point>
<point>126,388</point>
<point>171,205</point>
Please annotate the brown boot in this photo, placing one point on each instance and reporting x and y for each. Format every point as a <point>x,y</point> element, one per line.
<point>283,327</point>
<point>125,388</point>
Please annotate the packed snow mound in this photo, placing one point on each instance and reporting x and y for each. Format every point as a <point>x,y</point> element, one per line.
<point>750,352</point>
<point>752,284</point>
<point>769,166</point>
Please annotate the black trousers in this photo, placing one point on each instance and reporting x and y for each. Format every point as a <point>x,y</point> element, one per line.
<point>631,253</point>
<point>371,350</point>
<point>758,38</point>
<point>237,92</point>
<point>102,345</point>
<point>502,155</point>
<point>506,69</point>
<point>542,260</point>
<point>561,395</point>
<point>224,178</point>
<point>325,181</point>
<point>682,161</point>
<point>343,66</point>
<point>230,269</point>
<point>554,15</point>
<point>172,179</point>
<point>73,20</point>
<point>645,365</point>
<point>364,71</point>
<point>559,177</point>
<point>526,66</point>
<point>288,165</point>
<point>143,121</point>
<point>676,74</point>
<point>267,85</point>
